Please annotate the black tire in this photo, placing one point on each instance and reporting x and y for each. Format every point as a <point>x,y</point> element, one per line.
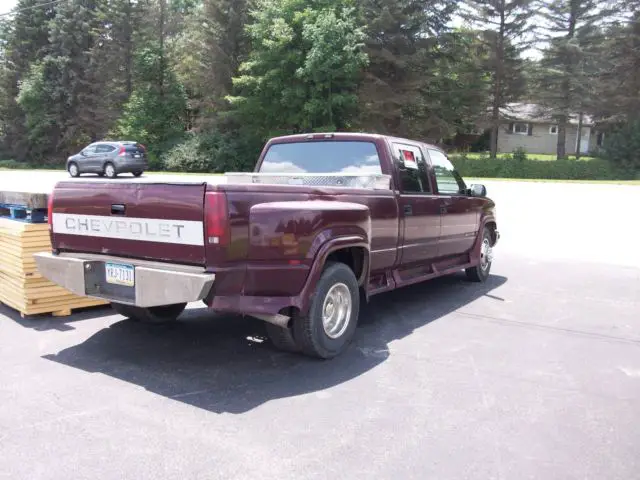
<point>73,169</point>
<point>282,338</point>
<point>137,173</point>
<point>309,332</point>
<point>480,272</point>
<point>160,314</point>
<point>110,170</point>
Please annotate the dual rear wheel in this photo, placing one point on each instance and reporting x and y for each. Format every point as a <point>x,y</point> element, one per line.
<point>331,322</point>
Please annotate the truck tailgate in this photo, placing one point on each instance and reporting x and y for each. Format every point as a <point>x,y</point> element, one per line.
<point>146,220</point>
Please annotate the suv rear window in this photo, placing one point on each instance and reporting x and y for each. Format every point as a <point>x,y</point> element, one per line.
<point>322,157</point>
<point>128,147</point>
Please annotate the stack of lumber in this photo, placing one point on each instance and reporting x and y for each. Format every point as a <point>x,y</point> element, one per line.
<point>21,286</point>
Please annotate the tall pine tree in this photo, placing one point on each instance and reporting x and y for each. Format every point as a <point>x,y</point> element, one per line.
<point>564,78</point>
<point>506,27</point>
<point>401,37</point>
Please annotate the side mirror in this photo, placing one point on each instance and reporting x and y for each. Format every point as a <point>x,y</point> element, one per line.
<point>83,153</point>
<point>478,190</point>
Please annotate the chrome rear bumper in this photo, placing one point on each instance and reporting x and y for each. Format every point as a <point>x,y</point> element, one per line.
<point>155,283</point>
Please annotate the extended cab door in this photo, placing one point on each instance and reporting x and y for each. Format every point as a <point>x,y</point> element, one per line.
<point>460,212</point>
<point>418,205</point>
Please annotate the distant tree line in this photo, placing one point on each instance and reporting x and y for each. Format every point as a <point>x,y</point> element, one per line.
<point>202,83</point>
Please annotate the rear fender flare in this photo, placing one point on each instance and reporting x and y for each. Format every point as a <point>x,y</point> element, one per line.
<point>306,295</point>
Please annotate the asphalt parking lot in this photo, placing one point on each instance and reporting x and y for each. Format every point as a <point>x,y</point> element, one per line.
<point>533,375</point>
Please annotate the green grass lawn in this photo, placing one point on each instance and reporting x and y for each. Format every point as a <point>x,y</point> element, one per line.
<point>469,180</point>
<point>530,156</point>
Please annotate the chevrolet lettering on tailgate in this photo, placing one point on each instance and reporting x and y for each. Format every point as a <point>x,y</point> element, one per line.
<point>181,232</point>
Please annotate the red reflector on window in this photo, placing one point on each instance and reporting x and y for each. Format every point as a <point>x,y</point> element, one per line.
<point>408,156</point>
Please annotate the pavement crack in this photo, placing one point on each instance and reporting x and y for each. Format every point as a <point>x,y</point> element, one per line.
<point>539,326</point>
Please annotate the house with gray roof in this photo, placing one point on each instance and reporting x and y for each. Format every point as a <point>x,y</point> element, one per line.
<point>531,127</point>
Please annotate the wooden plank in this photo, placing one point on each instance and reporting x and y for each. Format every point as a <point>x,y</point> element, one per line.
<point>21,285</point>
<point>11,227</point>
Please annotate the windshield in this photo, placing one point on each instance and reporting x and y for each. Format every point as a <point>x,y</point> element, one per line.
<point>322,157</point>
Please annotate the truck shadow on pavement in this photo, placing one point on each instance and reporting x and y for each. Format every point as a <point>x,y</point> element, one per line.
<point>45,322</point>
<point>226,364</point>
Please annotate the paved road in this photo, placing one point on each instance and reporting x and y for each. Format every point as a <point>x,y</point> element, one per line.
<point>534,375</point>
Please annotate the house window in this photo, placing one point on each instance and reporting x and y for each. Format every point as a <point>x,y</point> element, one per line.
<point>521,128</point>
<point>600,139</point>
<point>553,130</point>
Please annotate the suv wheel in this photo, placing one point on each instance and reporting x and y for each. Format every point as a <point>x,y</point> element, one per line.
<point>137,173</point>
<point>110,170</point>
<point>73,169</point>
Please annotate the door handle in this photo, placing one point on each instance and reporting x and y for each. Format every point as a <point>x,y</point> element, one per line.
<point>408,210</point>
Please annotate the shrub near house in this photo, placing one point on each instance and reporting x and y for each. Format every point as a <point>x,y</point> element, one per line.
<point>518,165</point>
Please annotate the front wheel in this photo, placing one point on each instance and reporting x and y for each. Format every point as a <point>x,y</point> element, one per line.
<point>480,272</point>
<point>160,314</point>
<point>331,322</point>
<point>73,169</point>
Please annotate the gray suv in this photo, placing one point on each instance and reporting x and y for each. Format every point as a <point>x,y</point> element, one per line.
<point>109,159</point>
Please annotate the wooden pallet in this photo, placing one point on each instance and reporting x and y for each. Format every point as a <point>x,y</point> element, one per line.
<point>21,285</point>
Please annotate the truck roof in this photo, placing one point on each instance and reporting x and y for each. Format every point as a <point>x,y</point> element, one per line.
<point>361,136</point>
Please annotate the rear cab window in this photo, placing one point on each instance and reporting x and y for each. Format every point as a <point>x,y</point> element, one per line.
<point>338,156</point>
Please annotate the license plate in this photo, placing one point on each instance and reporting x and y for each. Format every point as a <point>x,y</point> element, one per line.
<point>118,274</point>
<point>136,156</point>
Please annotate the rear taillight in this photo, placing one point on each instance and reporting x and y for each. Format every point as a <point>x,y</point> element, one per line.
<point>216,219</point>
<point>50,211</point>
<point>122,151</point>
<point>143,147</point>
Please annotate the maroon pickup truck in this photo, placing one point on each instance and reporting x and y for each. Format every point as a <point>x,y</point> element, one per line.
<point>323,223</point>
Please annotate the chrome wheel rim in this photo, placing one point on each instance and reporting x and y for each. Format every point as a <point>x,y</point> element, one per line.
<point>486,254</point>
<point>336,310</point>
<point>110,171</point>
<point>73,170</point>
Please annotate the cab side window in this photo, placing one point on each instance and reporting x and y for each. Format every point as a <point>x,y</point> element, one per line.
<point>412,169</point>
<point>447,178</point>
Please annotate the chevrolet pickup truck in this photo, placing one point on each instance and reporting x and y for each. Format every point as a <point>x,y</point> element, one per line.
<point>323,223</point>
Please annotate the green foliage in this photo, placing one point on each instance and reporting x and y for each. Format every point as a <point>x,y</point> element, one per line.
<point>39,120</point>
<point>519,155</point>
<point>409,81</point>
<point>517,166</point>
<point>622,147</point>
<point>302,72</point>
<point>214,152</point>
<point>155,114</point>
